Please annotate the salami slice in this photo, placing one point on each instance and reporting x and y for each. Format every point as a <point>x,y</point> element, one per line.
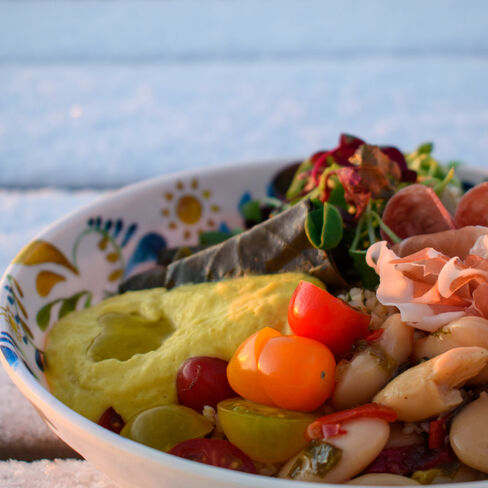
<point>457,242</point>
<point>472,209</point>
<point>414,210</point>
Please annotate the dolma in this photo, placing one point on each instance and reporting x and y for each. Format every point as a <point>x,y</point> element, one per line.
<point>273,246</point>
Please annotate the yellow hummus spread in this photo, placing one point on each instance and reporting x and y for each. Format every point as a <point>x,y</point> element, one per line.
<point>125,352</point>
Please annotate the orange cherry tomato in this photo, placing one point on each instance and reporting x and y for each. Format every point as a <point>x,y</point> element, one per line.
<point>242,370</point>
<point>315,313</point>
<point>297,373</point>
<point>289,372</point>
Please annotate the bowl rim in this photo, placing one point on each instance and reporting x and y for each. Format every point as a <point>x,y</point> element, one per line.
<point>38,394</point>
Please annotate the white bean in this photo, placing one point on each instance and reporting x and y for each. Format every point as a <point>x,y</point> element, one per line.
<point>430,388</point>
<point>364,440</point>
<point>368,371</point>
<point>469,434</point>
<point>358,381</point>
<point>463,332</point>
<point>397,338</point>
<point>382,479</point>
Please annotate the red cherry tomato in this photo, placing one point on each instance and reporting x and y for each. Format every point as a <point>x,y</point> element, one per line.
<point>111,420</point>
<point>373,410</point>
<point>203,381</point>
<point>315,313</point>
<point>216,452</point>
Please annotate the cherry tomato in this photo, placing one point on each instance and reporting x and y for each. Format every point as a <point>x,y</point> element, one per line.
<point>290,372</point>
<point>242,371</point>
<point>165,426</point>
<point>111,420</point>
<point>315,313</point>
<point>203,381</point>
<point>216,452</point>
<point>265,434</point>
<point>373,410</point>
<point>297,373</point>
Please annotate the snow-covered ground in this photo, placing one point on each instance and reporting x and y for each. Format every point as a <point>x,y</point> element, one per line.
<point>96,93</point>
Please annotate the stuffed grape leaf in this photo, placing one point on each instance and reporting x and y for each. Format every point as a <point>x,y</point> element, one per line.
<point>279,244</point>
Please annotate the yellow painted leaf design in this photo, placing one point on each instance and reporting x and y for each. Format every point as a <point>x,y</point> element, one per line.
<point>12,323</point>
<point>102,245</point>
<point>38,252</point>
<point>46,280</point>
<point>19,305</point>
<point>17,287</point>
<point>26,329</point>
<point>117,274</point>
<point>112,257</point>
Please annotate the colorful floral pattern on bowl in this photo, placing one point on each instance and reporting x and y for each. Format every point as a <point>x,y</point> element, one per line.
<point>80,260</point>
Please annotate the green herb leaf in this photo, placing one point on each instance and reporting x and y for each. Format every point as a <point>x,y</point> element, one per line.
<point>299,181</point>
<point>317,459</point>
<point>425,148</point>
<point>252,211</point>
<point>441,186</point>
<point>369,278</point>
<point>324,227</point>
<point>336,196</point>
<point>213,237</point>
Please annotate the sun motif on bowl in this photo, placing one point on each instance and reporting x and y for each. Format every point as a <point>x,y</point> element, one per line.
<point>189,208</point>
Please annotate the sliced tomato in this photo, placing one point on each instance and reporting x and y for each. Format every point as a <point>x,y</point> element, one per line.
<point>266,434</point>
<point>319,429</point>
<point>315,313</point>
<point>216,452</point>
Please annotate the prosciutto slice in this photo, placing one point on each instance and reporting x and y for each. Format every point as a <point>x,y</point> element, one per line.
<point>457,242</point>
<point>431,288</point>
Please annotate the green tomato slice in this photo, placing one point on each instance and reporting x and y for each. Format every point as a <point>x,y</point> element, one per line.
<point>266,434</point>
<point>165,426</point>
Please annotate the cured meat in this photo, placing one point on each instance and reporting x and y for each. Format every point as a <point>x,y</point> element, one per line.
<point>473,207</point>
<point>414,210</point>
<point>456,242</point>
<point>430,289</point>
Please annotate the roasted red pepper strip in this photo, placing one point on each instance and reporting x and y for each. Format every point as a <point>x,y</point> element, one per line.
<point>373,410</point>
<point>375,335</point>
<point>437,432</point>
<point>332,430</point>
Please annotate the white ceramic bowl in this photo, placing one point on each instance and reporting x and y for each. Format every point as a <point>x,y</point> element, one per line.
<point>82,258</point>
